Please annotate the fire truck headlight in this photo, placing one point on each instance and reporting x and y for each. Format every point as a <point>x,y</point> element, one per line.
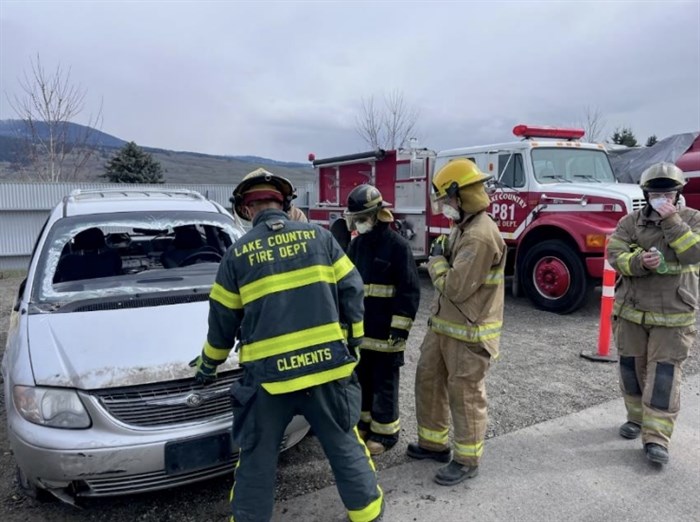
<point>595,240</point>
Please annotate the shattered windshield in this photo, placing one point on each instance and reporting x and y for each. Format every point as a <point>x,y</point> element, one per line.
<point>125,254</point>
<point>571,165</point>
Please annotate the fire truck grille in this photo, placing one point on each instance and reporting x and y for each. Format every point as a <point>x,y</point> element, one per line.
<point>169,403</point>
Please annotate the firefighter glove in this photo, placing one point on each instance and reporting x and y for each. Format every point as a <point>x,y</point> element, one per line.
<point>206,372</point>
<point>437,248</point>
<point>397,337</point>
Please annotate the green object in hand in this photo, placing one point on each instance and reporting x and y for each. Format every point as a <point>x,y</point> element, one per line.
<point>663,267</point>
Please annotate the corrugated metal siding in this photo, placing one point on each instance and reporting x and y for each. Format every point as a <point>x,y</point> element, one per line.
<point>25,206</point>
<point>44,196</point>
<point>19,230</point>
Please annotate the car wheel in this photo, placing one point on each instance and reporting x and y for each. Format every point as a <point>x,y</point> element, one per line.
<point>554,277</point>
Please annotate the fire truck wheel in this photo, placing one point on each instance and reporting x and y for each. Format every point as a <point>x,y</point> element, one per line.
<point>554,277</point>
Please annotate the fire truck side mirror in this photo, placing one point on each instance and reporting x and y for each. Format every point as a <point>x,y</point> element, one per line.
<point>490,187</point>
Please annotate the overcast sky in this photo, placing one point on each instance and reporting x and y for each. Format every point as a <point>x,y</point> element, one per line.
<point>282,79</point>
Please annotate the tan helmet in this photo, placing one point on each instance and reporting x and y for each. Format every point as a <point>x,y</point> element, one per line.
<point>662,176</point>
<point>262,184</point>
<point>461,177</point>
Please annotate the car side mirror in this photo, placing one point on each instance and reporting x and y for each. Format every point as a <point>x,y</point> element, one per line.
<point>20,294</point>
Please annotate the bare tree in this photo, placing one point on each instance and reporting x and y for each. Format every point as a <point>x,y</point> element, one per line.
<point>369,123</point>
<point>46,107</point>
<point>389,127</point>
<point>593,123</point>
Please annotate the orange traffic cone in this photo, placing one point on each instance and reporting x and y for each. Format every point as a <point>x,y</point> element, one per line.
<point>606,308</point>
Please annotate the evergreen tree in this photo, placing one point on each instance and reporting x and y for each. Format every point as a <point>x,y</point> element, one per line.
<point>624,136</point>
<point>651,140</point>
<point>132,165</point>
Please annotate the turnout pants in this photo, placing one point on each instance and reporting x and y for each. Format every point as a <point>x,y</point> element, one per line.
<point>651,359</point>
<point>332,410</point>
<point>450,379</point>
<point>379,374</point>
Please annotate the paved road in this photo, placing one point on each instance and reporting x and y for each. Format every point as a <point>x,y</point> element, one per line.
<point>574,468</point>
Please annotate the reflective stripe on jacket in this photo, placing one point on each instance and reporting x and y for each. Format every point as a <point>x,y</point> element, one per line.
<point>644,296</point>
<point>290,295</point>
<point>469,282</point>
<point>391,284</point>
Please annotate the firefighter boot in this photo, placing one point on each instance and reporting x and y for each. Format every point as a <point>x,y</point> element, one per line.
<point>656,453</point>
<point>454,473</point>
<point>630,430</point>
<point>416,452</point>
<point>375,448</point>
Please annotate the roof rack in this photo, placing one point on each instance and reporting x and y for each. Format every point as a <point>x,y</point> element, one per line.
<point>83,194</point>
<point>147,192</point>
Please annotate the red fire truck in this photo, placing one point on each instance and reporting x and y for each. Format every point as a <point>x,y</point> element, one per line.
<point>554,198</point>
<point>689,163</point>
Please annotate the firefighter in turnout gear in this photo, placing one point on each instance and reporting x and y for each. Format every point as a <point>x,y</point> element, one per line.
<point>392,295</point>
<point>294,301</point>
<point>464,326</point>
<point>655,306</point>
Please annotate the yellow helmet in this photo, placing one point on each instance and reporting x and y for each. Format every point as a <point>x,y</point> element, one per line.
<point>456,174</point>
<point>662,176</point>
<point>262,184</point>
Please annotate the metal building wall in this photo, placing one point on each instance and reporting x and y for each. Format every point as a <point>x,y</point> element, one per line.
<point>25,206</point>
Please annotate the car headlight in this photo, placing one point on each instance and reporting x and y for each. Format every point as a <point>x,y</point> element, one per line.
<point>51,407</point>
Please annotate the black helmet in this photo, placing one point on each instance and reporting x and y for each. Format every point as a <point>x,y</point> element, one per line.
<point>366,201</point>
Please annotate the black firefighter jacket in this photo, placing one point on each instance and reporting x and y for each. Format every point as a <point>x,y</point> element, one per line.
<point>290,294</point>
<point>392,287</point>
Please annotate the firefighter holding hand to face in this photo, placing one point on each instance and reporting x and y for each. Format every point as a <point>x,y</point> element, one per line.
<point>392,295</point>
<point>292,297</point>
<point>656,251</point>
<point>464,328</point>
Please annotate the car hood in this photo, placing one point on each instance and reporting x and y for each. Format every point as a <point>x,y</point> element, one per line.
<point>114,348</point>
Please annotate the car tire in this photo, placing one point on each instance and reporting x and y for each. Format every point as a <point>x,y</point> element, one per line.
<point>554,277</point>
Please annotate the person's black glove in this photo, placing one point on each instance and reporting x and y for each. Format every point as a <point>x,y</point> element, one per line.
<point>437,248</point>
<point>206,373</point>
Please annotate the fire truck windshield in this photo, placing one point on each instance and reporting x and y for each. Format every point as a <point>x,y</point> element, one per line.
<point>569,165</point>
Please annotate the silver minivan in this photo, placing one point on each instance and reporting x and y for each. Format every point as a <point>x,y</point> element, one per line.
<point>100,399</point>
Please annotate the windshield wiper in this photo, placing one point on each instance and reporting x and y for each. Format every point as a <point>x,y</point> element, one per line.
<point>587,176</point>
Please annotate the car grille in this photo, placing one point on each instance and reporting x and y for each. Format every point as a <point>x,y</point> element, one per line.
<point>141,483</point>
<point>150,481</point>
<point>169,403</point>
<point>637,204</point>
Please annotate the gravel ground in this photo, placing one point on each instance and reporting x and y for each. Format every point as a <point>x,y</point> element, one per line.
<point>540,376</point>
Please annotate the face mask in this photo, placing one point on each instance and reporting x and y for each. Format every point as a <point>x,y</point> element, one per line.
<point>450,213</point>
<point>657,202</point>
<point>364,226</point>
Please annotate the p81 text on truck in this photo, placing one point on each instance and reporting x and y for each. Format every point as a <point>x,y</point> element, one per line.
<point>554,198</point>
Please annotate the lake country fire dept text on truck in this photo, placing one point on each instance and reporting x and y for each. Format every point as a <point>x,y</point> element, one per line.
<point>554,198</point>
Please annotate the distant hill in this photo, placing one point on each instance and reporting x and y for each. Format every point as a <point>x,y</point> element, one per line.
<point>178,166</point>
<point>75,132</point>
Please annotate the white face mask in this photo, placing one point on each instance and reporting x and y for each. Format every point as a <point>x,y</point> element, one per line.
<point>364,226</point>
<point>450,213</point>
<point>657,202</point>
